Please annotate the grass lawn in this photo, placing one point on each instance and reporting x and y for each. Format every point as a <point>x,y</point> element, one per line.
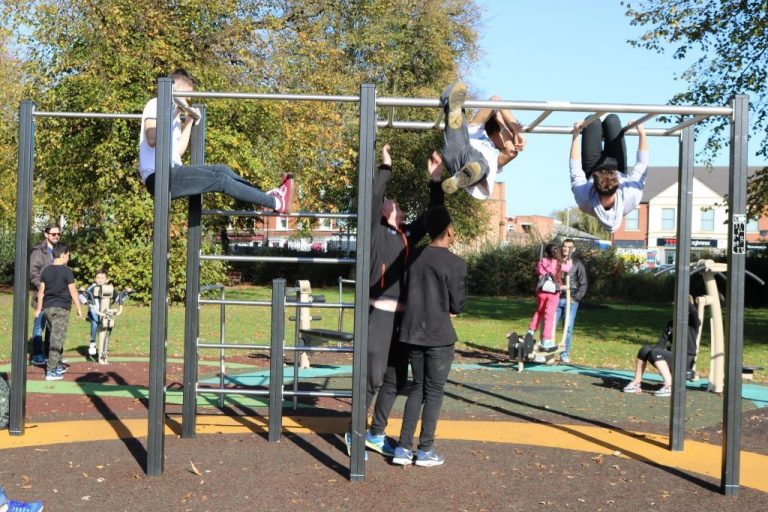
<point>605,335</point>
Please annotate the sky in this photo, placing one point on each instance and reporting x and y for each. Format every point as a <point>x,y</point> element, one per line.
<point>577,51</point>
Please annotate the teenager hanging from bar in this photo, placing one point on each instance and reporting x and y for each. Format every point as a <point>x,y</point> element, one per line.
<point>600,183</point>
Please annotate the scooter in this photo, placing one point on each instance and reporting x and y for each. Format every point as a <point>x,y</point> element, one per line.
<point>101,305</point>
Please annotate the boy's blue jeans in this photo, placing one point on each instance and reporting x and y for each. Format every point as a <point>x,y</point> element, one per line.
<point>571,319</point>
<point>94,324</point>
<point>37,336</point>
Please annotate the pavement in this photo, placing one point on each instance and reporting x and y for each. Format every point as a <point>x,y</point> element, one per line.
<point>575,416</point>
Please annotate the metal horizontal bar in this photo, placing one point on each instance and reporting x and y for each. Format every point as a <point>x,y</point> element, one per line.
<point>211,287</point>
<point>326,305</point>
<point>86,115</point>
<point>536,122</point>
<point>346,281</point>
<point>231,391</point>
<point>686,123</point>
<point>267,96</point>
<point>566,130</point>
<point>277,259</point>
<point>591,119</point>
<point>641,120</point>
<point>231,302</point>
<point>259,213</point>
<point>341,394</point>
<point>561,106</point>
<point>233,346</point>
<point>319,349</point>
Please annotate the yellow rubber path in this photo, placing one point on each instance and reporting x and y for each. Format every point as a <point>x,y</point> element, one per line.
<point>697,457</point>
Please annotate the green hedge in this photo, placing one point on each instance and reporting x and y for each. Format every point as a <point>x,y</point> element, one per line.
<point>511,271</point>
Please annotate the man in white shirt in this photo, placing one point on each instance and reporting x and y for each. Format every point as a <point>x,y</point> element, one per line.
<point>189,180</point>
<point>598,180</point>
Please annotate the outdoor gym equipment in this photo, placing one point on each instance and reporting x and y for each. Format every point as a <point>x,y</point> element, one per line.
<point>525,349</point>
<point>737,112</point>
<point>709,270</point>
<point>99,299</point>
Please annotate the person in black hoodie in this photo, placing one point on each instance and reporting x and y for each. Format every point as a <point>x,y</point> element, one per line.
<point>392,245</point>
<point>436,289</point>
<point>660,355</point>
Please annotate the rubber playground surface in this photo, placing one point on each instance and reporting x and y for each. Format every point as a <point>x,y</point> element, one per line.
<point>547,438</point>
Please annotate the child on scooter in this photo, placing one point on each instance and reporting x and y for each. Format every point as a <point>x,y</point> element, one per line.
<point>99,279</point>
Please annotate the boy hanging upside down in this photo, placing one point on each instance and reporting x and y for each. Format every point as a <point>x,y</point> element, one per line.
<point>475,152</point>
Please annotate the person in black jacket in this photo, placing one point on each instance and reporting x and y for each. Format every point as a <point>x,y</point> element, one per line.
<point>660,355</point>
<point>392,244</point>
<point>578,281</point>
<point>41,257</point>
<point>436,289</point>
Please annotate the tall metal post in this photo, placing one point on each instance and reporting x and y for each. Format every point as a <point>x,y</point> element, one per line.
<point>362,268</point>
<point>192,305</point>
<point>276,361</point>
<point>159,306</point>
<point>737,253</point>
<point>21,270</point>
<point>682,289</point>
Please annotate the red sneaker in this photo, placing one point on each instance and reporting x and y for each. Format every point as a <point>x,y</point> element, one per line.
<point>283,194</point>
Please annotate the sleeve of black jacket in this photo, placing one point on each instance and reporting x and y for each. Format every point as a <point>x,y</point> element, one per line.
<point>416,229</point>
<point>458,286</point>
<point>581,280</point>
<point>693,328</point>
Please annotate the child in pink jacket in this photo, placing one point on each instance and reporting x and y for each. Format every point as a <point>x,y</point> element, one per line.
<point>546,302</point>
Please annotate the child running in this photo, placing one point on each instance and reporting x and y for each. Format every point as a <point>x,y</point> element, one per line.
<point>551,264</point>
<point>436,289</point>
<point>55,297</point>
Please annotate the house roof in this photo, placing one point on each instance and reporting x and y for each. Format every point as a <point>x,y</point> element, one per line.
<point>661,178</point>
<point>569,232</point>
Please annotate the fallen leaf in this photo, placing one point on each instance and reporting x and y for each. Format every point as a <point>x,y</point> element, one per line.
<point>193,469</point>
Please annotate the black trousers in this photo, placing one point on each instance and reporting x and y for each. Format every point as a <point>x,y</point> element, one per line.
<point>381,329</point>
<point>395,380</point>
<point>430,367</point>
<point>593,153</point>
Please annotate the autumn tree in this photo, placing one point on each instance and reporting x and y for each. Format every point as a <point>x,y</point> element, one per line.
<point>731,37</point>
<point>105,56</point>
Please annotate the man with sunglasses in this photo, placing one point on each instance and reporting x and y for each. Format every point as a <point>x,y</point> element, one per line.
<point>41,257</point>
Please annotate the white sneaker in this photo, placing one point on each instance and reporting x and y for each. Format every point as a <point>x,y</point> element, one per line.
<point>92,349</point>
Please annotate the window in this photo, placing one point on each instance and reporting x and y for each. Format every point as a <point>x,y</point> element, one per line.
<point>325,224</point>
<point>707,220</point>
<point>752,226</point>
<point>668,218</point>
<point>632,220</point>
<point>282,223</point>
